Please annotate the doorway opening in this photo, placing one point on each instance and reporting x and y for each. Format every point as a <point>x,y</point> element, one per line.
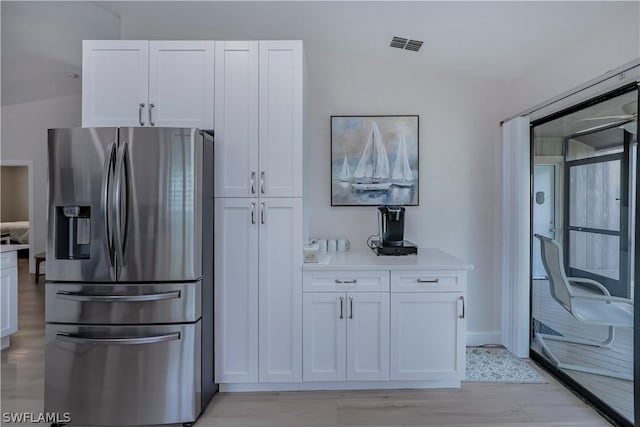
<point>584,170</point>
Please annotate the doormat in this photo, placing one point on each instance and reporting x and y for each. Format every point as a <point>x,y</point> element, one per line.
<point>497,365</point>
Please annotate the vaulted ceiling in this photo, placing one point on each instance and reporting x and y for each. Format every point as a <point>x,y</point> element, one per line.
<point>478,40</point>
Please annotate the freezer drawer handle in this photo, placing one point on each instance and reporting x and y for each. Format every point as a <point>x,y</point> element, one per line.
<point>427,280</point>
<point>121,341</point>
<point>74,296</point>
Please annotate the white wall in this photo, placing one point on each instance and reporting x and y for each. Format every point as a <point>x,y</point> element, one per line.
<point>459,165</point>
<point>24,137</point>
<point>609,45</point>
<point>14,193</point>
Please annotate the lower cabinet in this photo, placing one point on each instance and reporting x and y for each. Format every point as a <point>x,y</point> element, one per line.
<point>8,297</point>
<point>346,336</point>
<point>427,336</point>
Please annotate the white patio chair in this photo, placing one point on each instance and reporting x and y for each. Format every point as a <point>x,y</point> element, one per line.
<point>588,308</point>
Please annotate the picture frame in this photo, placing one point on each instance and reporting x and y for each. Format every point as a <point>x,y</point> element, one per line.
<point>375,160</point>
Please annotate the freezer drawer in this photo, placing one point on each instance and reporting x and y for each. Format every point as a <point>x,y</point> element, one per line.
<point>123,375</point>
<point>123,303</point>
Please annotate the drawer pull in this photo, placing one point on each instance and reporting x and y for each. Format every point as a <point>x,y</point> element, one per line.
<point>120,341</point>
<point>75,296</point>
<point>342,281</point>
<point>427,280</point>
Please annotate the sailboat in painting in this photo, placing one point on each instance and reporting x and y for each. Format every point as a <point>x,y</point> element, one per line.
<point>345,173</point>
<point>372,172</point>
<point>402,175</point>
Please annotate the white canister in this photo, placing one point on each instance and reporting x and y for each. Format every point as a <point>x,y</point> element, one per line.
<point>332,245</point>
<point>343,245</point>
<point>322,245</point>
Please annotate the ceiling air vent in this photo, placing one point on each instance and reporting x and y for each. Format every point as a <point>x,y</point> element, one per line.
<point>402,43</point>
<point>399,42</point>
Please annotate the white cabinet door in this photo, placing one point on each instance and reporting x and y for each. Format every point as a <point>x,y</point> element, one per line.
<point>8,301</point>
<point>324,336</point>
<point>236,290</point>
<point>427,336</point>
<point>280,294</point>
<point>181,84</point>
<point>281,118</point>
<point>115,83</point>
<point>236,119</point>
<point>367,336</point>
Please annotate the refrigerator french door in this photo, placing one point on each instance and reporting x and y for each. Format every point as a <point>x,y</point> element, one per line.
<point>125,205</point>
<point>129,296</point>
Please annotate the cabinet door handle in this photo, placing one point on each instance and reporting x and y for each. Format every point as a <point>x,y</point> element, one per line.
<point>262,182</point>
<point>140,108</point>
<point>342,281</point>
<point>350,307</point>
<point>341,308</point>
<point>151,105</point>
<point>262,212</point>
<point>253,213</point>
<point>427,280</point>
<point>462,300</point>
<point>253,182</point>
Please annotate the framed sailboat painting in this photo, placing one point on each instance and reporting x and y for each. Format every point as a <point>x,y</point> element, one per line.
<point>374,160</point>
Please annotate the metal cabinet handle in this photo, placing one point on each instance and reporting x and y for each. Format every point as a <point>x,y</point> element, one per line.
<point>427,280</point>
<point>262,212</point>
<point>253,182</point>
<point>462,315</point>
<point>262,182</point>
<point>253,213</point>
<point>341,310</point>
<point>76,339</point>
<point>342,281</point>
<point>151,105</point>
<point>140,108</point>
<point>77,296</point>
<point>350,307</point>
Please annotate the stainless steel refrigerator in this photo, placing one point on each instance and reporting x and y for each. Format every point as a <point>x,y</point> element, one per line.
<point>129,281</point>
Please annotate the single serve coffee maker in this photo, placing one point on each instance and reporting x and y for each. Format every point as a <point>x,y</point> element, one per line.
<point>390,239</point>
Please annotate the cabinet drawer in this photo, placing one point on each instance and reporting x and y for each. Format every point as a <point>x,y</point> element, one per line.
<point>427,281</point>
<point>8,259</point>
<point>350,281</point>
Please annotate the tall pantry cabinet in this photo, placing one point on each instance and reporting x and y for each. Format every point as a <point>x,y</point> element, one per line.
<point>258,190</point>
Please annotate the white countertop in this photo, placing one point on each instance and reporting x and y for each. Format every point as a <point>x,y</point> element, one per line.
<point>365,259</point>
<point>9,248</point>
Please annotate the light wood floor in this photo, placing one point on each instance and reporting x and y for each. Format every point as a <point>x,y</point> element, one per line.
<point>615,392</point>
<point>477,405</point>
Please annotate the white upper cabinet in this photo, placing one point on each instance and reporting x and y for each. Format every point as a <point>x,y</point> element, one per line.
<point>280,294</point>
<point>281,117</point>
<point>236,119</point>
<point>136,83</point>
<point>236,291</point>
<point>181,84</point>
<point>114,82</point>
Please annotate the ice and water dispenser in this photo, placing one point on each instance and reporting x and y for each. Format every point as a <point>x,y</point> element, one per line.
<point>73,232</point>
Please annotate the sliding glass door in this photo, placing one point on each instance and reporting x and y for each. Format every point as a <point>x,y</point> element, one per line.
<point>597,207</point>
<point>584,171</point>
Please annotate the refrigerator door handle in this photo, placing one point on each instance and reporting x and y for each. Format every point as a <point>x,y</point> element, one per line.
<point>106,184</point>
<point>120,341</point>
<point>76,296</point>
<point>120,234</point>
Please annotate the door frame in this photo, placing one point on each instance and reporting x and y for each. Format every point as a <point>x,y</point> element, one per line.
<point>30,197</point>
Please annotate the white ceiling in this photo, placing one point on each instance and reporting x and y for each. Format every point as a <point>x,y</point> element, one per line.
<point>480,40</point>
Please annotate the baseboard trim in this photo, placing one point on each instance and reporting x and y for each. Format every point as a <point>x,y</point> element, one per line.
<point>475,339</point>
<point>339,385</point>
